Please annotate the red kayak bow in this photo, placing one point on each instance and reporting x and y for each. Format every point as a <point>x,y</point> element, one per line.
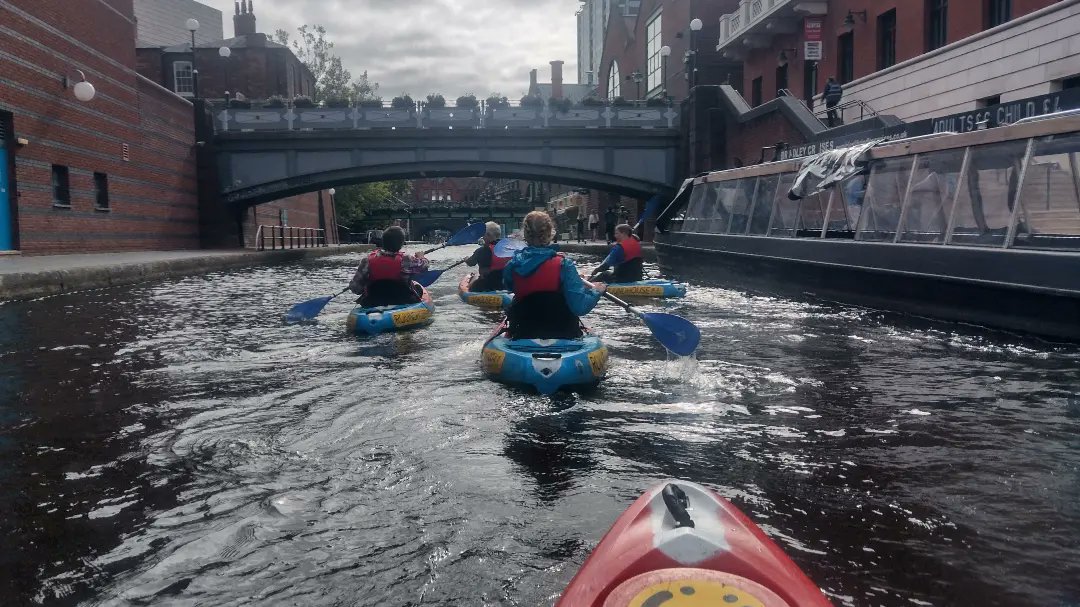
<point>682,545</point>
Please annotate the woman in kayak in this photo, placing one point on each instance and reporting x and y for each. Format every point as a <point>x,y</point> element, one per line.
<point>624,263</point>
<point>384,277</point>
<point>549,295</point>
<point>491,266</point>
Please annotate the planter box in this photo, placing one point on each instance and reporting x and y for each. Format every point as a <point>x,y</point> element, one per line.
<point>644,117</point>
<point>451,117</point>
<point>322,118</point>
<point>252,120</point>
<point>588,117</point>
<point>515,117</point>
<point>385,118</point>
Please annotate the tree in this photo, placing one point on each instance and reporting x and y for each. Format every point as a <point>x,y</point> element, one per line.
<point>331,78</point>
<point>353,200</point>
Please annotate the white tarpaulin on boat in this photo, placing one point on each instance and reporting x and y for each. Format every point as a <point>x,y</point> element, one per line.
<point>826,169</point>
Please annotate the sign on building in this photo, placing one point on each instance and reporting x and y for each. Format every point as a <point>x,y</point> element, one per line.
<point>812,30</point>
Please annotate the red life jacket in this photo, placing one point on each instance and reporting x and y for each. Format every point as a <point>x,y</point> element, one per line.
<point>546,279</point>
<point>382,267</point>
<point>631,248</point>
<point>497,263</point>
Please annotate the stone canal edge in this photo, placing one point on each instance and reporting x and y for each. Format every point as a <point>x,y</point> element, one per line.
<point>31,277</point>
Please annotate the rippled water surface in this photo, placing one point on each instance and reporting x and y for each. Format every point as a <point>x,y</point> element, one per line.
<point>177,444</point>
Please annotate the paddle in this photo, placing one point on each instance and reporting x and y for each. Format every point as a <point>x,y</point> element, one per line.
<point>674,332</point>
<point>310,309</point>
<point>508,246</point>
<point>427,278</point>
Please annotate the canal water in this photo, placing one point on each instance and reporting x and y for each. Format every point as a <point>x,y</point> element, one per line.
<point>176,444</point>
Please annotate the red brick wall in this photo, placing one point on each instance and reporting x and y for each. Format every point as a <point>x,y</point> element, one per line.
<point>152,196</point>
<point>964,18</point>
<point>744,144</point>
<point>300,212</point>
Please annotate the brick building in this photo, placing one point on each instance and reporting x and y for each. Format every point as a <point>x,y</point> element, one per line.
<point>637,32</point>
<point>910,59</point>
<point>162,22</point>
<point>111,173</point>
<point>255,65</point>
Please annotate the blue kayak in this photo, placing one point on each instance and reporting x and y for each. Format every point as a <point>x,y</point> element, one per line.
<point>489,300</point>
<point>372,321</point>
<point>647,288</point>
<point>545,364</point>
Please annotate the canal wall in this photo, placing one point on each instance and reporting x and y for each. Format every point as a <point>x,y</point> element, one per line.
<point>29,277</point>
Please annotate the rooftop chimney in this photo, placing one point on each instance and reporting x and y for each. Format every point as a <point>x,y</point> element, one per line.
<point>244,20</point>
<point>556,79</point>
<point>532,82</point>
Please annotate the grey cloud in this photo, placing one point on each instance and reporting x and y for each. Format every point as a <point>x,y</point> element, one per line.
<point>448,46</point>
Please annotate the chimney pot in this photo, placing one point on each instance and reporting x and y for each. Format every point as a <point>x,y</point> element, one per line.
<point>236,5</point>
<point>557,79</point>
<point>244,21</point>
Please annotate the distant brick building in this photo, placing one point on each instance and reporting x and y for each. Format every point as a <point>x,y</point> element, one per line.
<point>163,22</point>
<point>116,172</point>
<point>256,66</point>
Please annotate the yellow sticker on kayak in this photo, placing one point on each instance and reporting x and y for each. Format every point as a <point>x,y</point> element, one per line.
<point>690,593</point>
<point>492,360</point>
<point>598,361</point>
<point>405,318</point>
<point>486,301</point>
<point>637,291</point>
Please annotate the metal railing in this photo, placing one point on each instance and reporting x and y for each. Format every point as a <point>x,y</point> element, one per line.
<point>289,237</point>
<point>865,111</point>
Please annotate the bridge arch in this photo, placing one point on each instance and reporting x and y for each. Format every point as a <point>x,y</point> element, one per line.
<point>301,184</point>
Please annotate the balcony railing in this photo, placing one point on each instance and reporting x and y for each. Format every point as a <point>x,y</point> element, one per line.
<point>750,14</point>
<point>233,120</point>
<point>286,237</point>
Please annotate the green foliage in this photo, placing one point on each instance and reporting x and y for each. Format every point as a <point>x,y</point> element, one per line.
<point>497,101</point>
<point>274,102</point>
<point>468,102</point>
<point>436,100</point>
<point>331,78</point>
<point>532,101</point>
<point>371,103</point>
<point>352,200</point>
<point>303,101</point>
<point>403,102</point>
<point>560,105</point>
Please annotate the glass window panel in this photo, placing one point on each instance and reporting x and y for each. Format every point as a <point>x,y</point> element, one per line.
<point>812,214</point>
<point>695,208</point>
<point>740,208</point>
<point>763,204</point>
<point>930,201</point>
<point>984,200</point>
<point>652,51</point>
<point>787,210</point>
<point>183,78</point>
<point>884,196</point>
<point>1050,199</point>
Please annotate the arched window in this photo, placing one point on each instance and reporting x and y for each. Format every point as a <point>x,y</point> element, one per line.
<point>614,82</point>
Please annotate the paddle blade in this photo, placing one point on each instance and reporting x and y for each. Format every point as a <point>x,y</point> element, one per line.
<point>428,278</point>
<point>675,332</point>
<point>469,235</point>
<point>508,246</point>
<point>307,310</point>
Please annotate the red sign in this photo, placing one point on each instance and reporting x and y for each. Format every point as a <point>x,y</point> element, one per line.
<point>812,27</point>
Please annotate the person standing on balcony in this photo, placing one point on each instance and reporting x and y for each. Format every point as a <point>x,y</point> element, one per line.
<point>833,92</point>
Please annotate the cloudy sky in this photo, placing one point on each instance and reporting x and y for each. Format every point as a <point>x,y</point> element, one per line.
<point>451,47</point>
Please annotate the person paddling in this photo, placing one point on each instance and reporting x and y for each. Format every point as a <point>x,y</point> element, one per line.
<point>490,265</point>
<point>384,277</point>
<point>624,263</point>
<point>549,295</point>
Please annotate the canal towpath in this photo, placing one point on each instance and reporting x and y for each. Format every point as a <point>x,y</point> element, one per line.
<point>25,277</point>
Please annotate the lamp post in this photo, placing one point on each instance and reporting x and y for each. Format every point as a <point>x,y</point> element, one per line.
<point>665,52</point>
<point>695,27</point>
<point>193,26</point>
<point>226,52</point>
<point>637,77</point>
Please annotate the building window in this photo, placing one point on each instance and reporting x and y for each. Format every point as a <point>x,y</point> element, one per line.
<point>652,53</point>
<point>755,92</point>
<point>781,79</point>
<point>988,101</point>
<point>614,81</point>
<point>1070,83</point>
<point>101,191</point>
<point>183,79</point>
<point>629,8</point>
<point>845,58</point>
<point>998,12</point>
<point>61,189</point>
<point>936,23</point>
<point>886,32</point>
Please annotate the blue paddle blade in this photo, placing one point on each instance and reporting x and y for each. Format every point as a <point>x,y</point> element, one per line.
<point>428,278</point>
<point>469,235</point>
<point>307,310</point>
<point>675,332</point>
<point>651,208</point>
<point>508,246</point>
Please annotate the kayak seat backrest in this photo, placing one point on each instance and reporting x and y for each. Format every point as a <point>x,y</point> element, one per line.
<point>543,315</point>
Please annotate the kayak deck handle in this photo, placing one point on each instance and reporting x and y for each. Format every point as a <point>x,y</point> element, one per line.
<point>676,501</point>
<point>547,356</point>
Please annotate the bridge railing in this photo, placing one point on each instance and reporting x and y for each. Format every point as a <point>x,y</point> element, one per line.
<point>288,237</point>
<point>503,116</point>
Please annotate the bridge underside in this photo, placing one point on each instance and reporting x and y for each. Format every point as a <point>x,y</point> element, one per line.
<point>260,167</point>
